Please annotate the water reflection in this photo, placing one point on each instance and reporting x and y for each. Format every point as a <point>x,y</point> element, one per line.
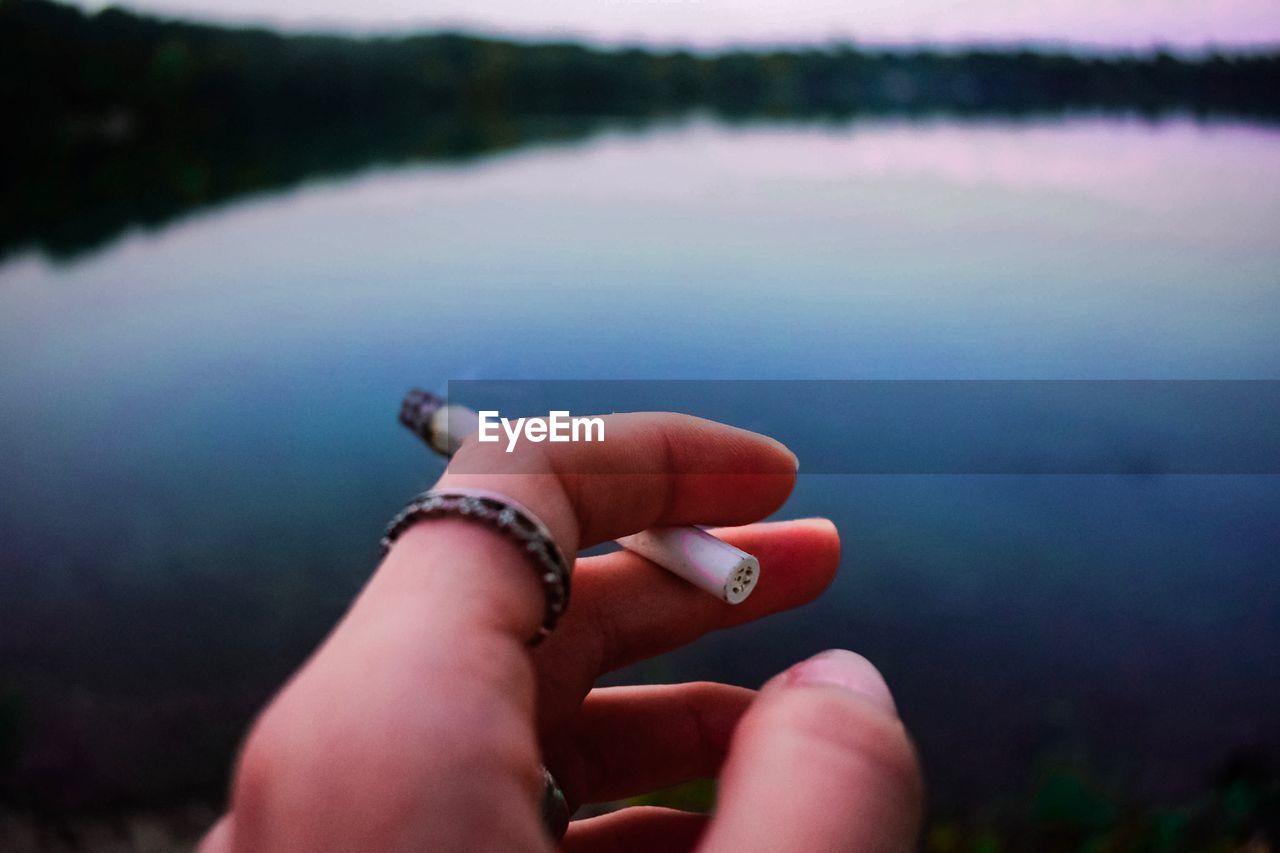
<point>74,195</point>
<point>198,434</point>
<point>78,197</point>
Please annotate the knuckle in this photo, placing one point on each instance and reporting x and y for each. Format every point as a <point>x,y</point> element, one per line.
<point>694,708</point>
<point>611,640</point>
<point>712,707</point>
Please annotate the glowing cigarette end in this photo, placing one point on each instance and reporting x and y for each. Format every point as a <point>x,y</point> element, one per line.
<point>443,426</point>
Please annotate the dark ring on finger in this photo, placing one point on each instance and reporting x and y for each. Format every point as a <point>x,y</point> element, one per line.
<point>555,808</point>
<point>509,518</point>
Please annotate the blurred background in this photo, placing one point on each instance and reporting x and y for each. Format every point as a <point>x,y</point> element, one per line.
<point>228,247</point>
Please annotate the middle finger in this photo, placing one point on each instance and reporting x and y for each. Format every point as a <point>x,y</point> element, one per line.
<point>625,608</point>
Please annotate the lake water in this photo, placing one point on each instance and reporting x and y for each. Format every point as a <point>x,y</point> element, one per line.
<point>199,445</point>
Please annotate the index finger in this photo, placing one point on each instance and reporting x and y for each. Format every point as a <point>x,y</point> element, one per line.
<point>650,469</point>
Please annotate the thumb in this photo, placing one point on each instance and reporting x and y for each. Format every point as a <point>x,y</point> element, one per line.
<point>820,763</point>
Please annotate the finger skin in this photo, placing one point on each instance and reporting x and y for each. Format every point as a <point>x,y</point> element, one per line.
<point>625,608</point>
<point>627,741</point>
<point>411,720</point>
<point>218,838</point>
<point>818,768</point>
<point>651,469</point>
<point>417,713</point>
<point>639,829</point>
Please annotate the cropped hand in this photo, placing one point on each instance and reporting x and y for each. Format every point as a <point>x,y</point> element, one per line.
<point>422,721</point>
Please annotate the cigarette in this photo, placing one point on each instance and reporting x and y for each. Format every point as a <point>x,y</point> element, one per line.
<point>691,553</point>
<point>700,558</point>
<point>442,426</point>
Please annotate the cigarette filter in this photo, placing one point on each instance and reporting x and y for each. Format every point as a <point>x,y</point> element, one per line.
<point>708,563</point>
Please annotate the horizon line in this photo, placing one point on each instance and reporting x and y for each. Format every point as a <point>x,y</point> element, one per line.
<point>333,28</point>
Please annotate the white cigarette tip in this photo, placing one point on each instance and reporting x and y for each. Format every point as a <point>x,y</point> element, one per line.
<point>712,565</point>
<point>742,581</point>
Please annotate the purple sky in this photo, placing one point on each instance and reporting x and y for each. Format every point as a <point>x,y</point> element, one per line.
<point>1130,23</point>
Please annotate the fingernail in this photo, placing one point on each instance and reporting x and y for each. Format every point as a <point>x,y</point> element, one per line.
<point>846,670</point>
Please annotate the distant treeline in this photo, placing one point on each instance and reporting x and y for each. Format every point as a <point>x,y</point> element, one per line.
<point>115,119</point>
<point>57,62</point>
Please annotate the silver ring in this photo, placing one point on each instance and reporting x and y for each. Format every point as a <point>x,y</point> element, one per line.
<point>509,518</point>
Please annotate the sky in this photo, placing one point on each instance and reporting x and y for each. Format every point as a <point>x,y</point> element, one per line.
<point>709,23</point>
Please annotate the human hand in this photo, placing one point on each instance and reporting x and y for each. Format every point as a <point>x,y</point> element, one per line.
<point>421,721</point>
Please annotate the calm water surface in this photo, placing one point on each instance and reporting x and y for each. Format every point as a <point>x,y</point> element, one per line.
<point>199,447</point>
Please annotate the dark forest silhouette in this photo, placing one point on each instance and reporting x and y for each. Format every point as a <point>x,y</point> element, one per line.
<point>120,119</point>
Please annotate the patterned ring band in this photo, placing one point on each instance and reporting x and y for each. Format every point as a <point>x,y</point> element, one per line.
<point>554,807</point>
<point>508,517</point>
